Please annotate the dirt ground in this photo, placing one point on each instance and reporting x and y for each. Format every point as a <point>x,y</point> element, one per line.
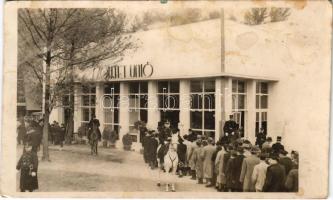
<point>113,170</point>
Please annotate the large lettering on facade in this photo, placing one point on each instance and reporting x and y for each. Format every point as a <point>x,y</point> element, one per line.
<point>129,71</point>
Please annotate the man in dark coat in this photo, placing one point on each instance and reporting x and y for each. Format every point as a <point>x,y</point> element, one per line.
<point>275,176</point>
<point>230,126</point>
<point>152,145</point>
<point>92,122</point>
<point>285,161</point>
<point>181,152</point>
<point>277,147</point>
<point>28,165</point>
<point>260,137</point>
<point>165,132</point>
<point>234,169</point>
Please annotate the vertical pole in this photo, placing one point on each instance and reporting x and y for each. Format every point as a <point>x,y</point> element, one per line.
<point>184,106</point>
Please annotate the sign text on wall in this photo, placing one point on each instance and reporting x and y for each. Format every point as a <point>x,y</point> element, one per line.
<point>129,71</point>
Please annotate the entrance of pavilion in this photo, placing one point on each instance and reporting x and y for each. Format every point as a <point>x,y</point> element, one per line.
<point>172,116</point>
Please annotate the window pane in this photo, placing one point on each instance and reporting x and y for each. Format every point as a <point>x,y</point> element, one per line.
<point>116,116</point>
<point>257,116</point>
<point>234,86</point>
<point>85,89</point>
<point>93,89</point>
<point>264,101</point>
<point>241,101</point>
<point>107,101</point>
<point>116,101</point>
<point>196,86</point>
<point>209,101</point>
<point>85,100</point>
<point>134,87</point>
<point>114,87</point>
<point>258,87</point>
<point>234,101</point>
<point>196,101</point>
<point>264,116</point>
<point>144,87</point>
<point>85,114</point>
<point>163,87</point>
<point>92,100</point>
<point>173,102</point>
<point>209,86</point>
<point>241,87</point>
<point>174,86</point>
<point>257,101</point>
<point>264,88</point>
<point>209,120</point>
<point>196,120</point>
<point>143,101</point>
<point>133,101</point>
<point>162,101</point>
<point>144,115</point>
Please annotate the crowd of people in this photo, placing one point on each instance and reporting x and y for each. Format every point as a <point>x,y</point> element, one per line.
<point>232,164</point>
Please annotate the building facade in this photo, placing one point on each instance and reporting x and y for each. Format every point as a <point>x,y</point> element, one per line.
<point>198,74</point>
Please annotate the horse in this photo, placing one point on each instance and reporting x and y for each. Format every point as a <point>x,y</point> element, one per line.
<point>170,166</point>
<point>94,140</point>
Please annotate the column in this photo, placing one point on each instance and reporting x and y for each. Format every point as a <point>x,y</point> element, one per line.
<point>184,106</point>
<point>99,104</point>
<point>251,111</point>
<point>218,108</point>
<point>77,108</point>
<point>226,89</point>
<point>123,110</point>
<point>153,112</point>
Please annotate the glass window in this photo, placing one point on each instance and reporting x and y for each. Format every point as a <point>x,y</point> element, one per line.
<point>196,101</point>
<point>196,86</point>
<point>209,120</point>
<point>209,86</point>
<point>261,105</point>
<point>209,100</point>
<point>203,106</point>
<point>196,120</point>
<point>174,86</point>
<point>134,87</point>
<point>163,87</point>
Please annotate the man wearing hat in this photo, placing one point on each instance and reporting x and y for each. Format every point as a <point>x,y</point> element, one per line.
<point>181,152</point>
<point>275,176</point>
<point>247,169</point>
<point>277,147</point>
<point>198,162</point>
<point>236,167</point>
<point>165,132</point>
<point>285,161</point>
<point>207,155</point>
<point>92,122</point>
<point>230,126</point>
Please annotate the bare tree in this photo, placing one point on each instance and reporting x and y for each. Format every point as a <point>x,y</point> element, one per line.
<point>61,39</point>
<point>255,16</point>
<point>279,14</point>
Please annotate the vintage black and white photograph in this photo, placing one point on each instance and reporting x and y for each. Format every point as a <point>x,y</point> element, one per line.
<point>170,98</point>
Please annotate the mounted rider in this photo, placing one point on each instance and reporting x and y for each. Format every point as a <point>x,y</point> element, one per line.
<point>92,122</point>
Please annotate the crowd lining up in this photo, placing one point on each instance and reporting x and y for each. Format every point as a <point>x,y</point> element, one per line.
<point>232,164</point>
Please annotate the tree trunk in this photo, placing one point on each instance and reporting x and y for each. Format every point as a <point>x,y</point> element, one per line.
<point>45,156</point>
<point>70,123</point>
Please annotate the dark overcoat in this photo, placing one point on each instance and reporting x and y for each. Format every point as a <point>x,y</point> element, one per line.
<point>27,164</point>
<point>275,178</point>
